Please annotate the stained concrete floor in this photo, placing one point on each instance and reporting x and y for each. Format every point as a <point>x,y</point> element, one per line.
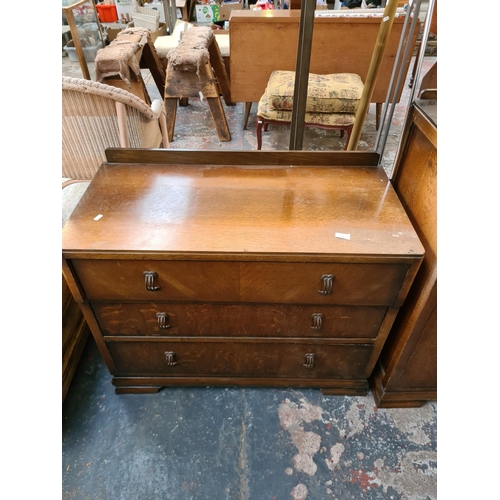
<point>241,444</point>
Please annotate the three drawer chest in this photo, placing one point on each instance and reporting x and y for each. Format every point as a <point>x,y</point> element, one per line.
<point>221,269</point>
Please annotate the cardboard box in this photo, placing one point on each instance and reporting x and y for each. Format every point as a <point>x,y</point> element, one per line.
<point>207,13</point>
<point>161,31</point>
<point>216,12</point>
<point>227,7</point>
<point>115,28</point>
<point>113,31</point>
<point>183,9</point>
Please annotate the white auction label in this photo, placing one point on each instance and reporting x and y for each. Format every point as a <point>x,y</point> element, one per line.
<point>343,236</point>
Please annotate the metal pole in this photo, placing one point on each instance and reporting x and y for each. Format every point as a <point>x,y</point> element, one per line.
<point>371,77</point>
<point>386,123</point>
<point>397,68</point>
<point>302,73</point>
<point>425,36</point>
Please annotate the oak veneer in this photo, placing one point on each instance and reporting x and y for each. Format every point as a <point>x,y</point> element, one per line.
<point>406,373</point>
<point>248,282</point>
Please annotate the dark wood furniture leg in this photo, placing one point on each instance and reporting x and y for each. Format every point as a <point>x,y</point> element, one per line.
<point>248,107</point>
<point>263,124</point>
<point>259,133</point>
<point>171,112</point>
<point>378,112</point>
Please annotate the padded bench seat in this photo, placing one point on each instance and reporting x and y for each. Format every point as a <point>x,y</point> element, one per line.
<point>332,102</point>
<point>164,44</point>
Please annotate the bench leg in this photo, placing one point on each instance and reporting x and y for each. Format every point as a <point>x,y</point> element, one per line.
<point>220,72</point>
<point>171,113</point>
<point>219,118</point>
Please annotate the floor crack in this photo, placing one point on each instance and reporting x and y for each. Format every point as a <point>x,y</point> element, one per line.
<point>242,455</point>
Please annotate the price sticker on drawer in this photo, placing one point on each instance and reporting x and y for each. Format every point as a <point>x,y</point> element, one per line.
<point>343,236</point>
<point>97,217</point>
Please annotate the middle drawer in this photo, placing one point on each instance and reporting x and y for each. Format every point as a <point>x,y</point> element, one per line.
<point>238,320</point>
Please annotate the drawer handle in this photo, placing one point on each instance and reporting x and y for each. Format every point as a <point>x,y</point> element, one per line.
<point>309,360</point>
<point>149,278</point>
<point>327,284</point>
<point>162,320</point>
<point>169,355</point>
<point>317,321</point>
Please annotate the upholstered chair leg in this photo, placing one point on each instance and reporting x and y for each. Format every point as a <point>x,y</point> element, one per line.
<point>348,130</point>
<point>259,133</point>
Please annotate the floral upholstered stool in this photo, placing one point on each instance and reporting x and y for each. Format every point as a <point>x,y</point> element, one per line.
<point>332,102</point>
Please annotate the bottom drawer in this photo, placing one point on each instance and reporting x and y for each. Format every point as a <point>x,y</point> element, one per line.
<point>239,358</point>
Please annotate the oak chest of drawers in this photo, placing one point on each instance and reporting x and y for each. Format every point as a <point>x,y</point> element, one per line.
<point>252,275</point>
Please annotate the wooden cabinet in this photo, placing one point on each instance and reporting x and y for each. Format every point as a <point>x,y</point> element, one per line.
<point>217,274</point>
<point>74,337</point>
<point>406,374</point>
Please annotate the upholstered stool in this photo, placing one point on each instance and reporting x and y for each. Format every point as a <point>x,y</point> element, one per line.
<point>164,44</point>
<point>119,64</point>
<point>195,68</point>
<point>332,102</point>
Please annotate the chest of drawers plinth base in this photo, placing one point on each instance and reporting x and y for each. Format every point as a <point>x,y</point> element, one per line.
<point>212,275</point>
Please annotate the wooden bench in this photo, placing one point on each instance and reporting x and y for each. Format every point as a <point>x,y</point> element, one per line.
<point>264,41</point>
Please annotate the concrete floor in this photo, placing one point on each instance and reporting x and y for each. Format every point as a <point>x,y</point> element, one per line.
<point>241,444</point>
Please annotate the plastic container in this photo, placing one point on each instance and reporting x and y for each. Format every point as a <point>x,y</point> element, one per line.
<point>91,29</point>
<point>159,7</point>
<point>107,13</point>
<point>90,53</point>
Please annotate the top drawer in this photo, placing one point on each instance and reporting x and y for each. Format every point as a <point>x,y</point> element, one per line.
<point>301,283</point>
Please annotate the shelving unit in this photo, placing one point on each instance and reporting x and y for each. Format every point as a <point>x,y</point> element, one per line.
<point>78,14</point>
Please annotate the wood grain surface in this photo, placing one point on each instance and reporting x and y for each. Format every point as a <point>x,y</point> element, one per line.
<point>191,210</point>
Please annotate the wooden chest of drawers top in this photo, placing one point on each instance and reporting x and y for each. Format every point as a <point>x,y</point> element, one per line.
<point>241,213</point>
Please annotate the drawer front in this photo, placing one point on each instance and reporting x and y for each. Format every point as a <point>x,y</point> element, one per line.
<point>174,319</point>
<point>318,283</point>
<point>290,283</point>
<point>306,360</point>
<point>173,280</point>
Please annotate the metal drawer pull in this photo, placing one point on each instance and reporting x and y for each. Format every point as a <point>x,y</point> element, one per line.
<point>317,321</point>
<point>169,355</point>
<point>149,278</point>
<point>309,360</point>
<point>162,320</point>
<point>327,284</point>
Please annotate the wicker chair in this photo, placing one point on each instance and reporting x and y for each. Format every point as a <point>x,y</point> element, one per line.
<point>96,116</point>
